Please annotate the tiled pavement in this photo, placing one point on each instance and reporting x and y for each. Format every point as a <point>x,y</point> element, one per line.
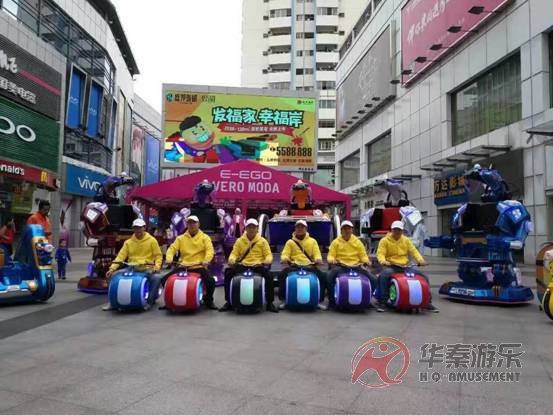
<point>93,362</point>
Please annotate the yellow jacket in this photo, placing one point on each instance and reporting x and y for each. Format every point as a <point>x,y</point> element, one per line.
<point>139,251</point>
<point>293,253</point>
<point>350,252</point>
<point>397,252</point>
<point>193,249</point>
<point>259,254</point>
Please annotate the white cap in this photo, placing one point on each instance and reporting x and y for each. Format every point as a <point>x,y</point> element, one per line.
<point>138,223</point>
<point>346,223</point>
<point>192,218</point>
<point>252,221</point>
<point>301,222</point>
<point>397,225</point>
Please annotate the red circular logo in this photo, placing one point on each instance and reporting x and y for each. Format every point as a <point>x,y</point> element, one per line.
<point>379,364</point>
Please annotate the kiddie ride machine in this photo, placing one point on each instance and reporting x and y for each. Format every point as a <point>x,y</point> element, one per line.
<point>377,222</point>
<point>279,229</point>
<point>486,234</point>
<point>210,224</point>
<point>107,224</point>
<point>407,290</point>
<point>30,276</point>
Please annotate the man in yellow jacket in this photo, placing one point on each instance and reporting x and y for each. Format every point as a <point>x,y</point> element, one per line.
<point>393,253</point>
<point>301,250</point>
<point>141,248</point>
<point>251,251</point>
<point>346,252</point>
<point>195,252</point>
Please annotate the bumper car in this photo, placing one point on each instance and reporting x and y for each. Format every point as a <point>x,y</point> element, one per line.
<point>278,229</point>
<point>130,288</point>
<point>486,234</point>
<point>247,292</point>
<point>353,291</point>
<point>29,277</point>
<point>543,274</point>
<point>303,291</point>
<point>183,291</point>
<point>106,225</point>
<point>408,291</point>
<point>210,223</point>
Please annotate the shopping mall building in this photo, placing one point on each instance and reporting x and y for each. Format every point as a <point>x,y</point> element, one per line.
<point>427,88</point>
<point>68,109</point>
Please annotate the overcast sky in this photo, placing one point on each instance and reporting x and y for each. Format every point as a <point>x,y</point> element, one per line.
<point>182,41</point>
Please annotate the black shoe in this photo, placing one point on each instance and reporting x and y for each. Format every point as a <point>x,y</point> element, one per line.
<point>210,306</point>
<point>162,307</point>
<point>432,308</point>
<point>62,278</point>
<point>271,307</point>
<point>225,307</point>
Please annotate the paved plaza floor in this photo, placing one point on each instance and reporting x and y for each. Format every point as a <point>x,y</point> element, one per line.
<point>70,357</point>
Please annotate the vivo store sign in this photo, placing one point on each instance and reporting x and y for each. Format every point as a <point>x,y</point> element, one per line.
<point>251,181</point>
<point>425,23</point>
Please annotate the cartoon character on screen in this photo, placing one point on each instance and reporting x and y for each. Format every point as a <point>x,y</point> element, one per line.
<point>194,139</point>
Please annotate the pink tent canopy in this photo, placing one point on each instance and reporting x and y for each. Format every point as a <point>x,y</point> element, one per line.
<point>242,184</point>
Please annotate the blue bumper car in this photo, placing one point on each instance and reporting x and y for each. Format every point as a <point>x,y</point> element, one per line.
<point>29,277</point>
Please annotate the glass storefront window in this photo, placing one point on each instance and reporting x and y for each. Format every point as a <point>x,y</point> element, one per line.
<point>379,156</point>
<point>349,170</point>
<point>491,101</point>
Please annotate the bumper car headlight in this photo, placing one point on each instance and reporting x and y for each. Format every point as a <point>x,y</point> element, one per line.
<point>33,286</point>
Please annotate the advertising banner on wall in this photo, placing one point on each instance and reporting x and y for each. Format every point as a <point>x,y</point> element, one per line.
<point>137,150</point>
<point>211,128</point>
<point>151,171</point>
<point>369,79</point>
<point>81,181</point>
<point>28,136</point>
<point>425,24</point>
<point>28,81</point>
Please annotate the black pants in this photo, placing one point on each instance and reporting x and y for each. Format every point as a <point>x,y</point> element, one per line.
<point>155,283</point>
<point>337,269</point>
<point>231,271</point>
<point>7,248</point>
<point>61,269</point>
<point>284,273</point>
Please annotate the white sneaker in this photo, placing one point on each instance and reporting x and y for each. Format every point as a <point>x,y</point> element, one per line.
<point>147,306</point>
<point>107,307</point>
<point>282,306</point>
<point>322,307</point>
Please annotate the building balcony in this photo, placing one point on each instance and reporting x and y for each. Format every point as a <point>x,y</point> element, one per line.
<point>326,133</point>
<point>328,3</point>
<point>327,113</point>
<point>327,57</point>
<point>284,76</point>
<point>326,76</point>
<point>277,22</point>
<point>88,150</point>
<point>279,4</point>
<point>280,59</point>
<point>279,40</point>
<point>327,20</point>
<point>329,38</point>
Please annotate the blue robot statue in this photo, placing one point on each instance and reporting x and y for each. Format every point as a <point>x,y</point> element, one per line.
<point>486,232</point>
